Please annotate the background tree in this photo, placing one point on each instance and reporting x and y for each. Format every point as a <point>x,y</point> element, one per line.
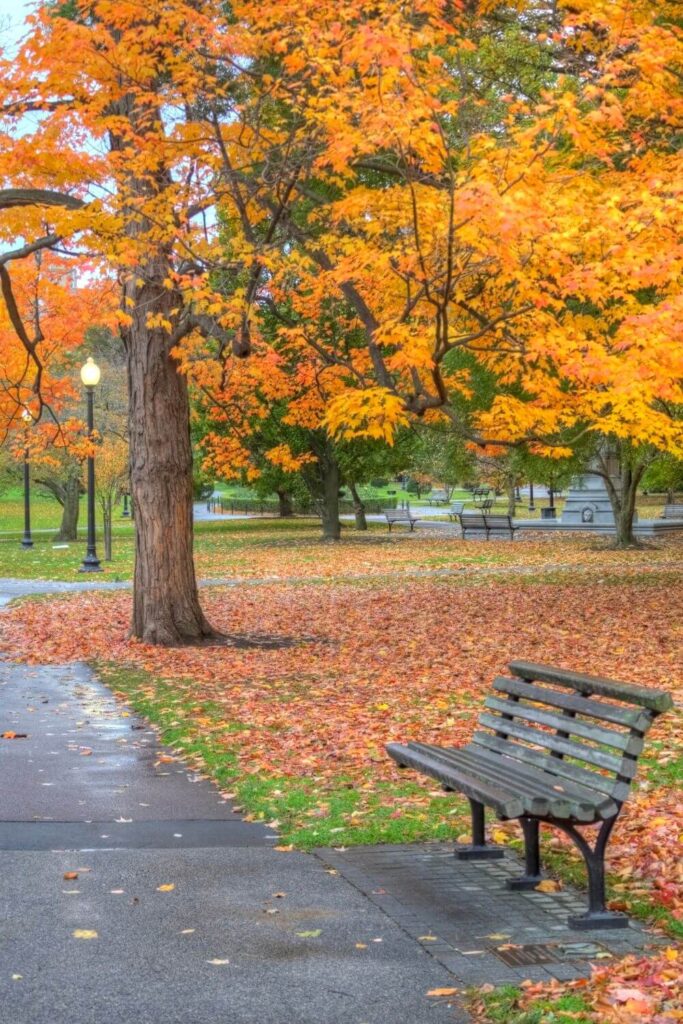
<point>111,478</point>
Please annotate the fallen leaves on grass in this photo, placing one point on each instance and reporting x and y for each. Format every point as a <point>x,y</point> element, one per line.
<point>366,664</point>
<point>631,991</point>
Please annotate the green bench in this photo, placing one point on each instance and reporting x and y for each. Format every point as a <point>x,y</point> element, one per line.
<point>553,747</point>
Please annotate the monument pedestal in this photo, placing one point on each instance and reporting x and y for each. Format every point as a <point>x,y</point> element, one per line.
<point>588,504</point>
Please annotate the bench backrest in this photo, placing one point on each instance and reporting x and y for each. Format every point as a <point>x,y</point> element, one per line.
<point>473,520</point>
<point>586,730</point>
<point>486,505</point>
<point>498,521</point>
<point>673,512</point>
<point>457,507</point>
<point>397,513</point>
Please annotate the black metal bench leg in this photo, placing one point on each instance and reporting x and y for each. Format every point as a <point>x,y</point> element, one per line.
<point>478,849</point>
<point>532,857</point>
<point>597,916</point>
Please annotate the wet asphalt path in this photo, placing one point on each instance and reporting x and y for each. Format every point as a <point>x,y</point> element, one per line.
<point>130,891</point>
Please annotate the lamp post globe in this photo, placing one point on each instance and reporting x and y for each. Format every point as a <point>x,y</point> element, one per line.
<point>90,373</point>
<point>90,376</point>
<point>27,540</point>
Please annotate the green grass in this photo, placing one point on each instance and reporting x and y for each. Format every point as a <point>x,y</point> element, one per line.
<point>661,767</point>
<point>308,815</point>
<point>502,1007</point>
<point>47,560</point>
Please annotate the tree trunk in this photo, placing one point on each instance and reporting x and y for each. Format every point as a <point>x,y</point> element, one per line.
<point>106,517</point>
<point>622,496</point>
<point>331,481</point>
<point>512,497</point>
<point>71,503</point>
<point>166,607</point>
<point>358,508</point>
<point>285,507</point>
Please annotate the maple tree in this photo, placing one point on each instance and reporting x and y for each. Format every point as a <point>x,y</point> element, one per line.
<point>538,252</point>
<point>112,474</point>
<point>56,317</point>
<point>399,159</point>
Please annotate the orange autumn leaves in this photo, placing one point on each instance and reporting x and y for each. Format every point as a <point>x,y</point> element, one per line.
<point>340,671</point>
<point>376,219</point>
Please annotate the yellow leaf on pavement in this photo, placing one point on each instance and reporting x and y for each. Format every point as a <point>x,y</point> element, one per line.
<point>549,885</point>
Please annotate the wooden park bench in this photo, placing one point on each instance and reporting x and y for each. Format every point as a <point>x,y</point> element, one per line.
<point>400,515</point>
<point>480,494</point>
<point>437,498</point>
<point>487,524</point>
<point>456,510</point>
<point>552,747</point>
<point>672,512</point>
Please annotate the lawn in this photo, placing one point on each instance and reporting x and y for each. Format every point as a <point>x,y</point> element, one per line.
<point>333,650</point>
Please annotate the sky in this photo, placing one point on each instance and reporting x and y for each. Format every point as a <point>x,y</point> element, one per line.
<point>12,14</point>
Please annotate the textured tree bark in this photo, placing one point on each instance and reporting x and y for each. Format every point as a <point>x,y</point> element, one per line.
<point>166,607</point>
<point>512,497</point>
<point>358,508</point>
<point>67,493</point>
<point>107,516</point>
<point>70,509</point>
<point>285,507</point>
<point>622,495</point>
<point>330,504</point>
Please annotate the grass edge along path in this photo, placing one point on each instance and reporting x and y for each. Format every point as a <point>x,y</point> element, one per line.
<point>631,991</point>
<point>199,734</point>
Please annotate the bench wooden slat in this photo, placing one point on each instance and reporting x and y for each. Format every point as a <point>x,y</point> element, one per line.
<point>539,795</point>
<point>546,756</point>
<point>639,720</point>
<point>563,769</point>
<point>570,748</point>
<point>505,803</point>
<point>603,804</point>
<point>575,727</point>
<point>630,693</point>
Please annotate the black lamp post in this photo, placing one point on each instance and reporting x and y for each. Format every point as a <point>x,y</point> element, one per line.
<point>90,375</point>
<point>26,541</point>
<point>126,511</point>
<point>531,496</point>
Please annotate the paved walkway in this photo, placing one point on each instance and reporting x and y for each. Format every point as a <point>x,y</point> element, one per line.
<point>246,935</point>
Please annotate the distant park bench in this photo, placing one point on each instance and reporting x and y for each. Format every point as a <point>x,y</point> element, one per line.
<point>437,498</point>
<point>552,747</point>
<point>455,510</point>
<point>487,524</point>
<point>480,494</point>
<point>672,512</point>
<point>400,515</point>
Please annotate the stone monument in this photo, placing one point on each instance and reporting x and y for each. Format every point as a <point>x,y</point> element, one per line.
<point>588,504</point>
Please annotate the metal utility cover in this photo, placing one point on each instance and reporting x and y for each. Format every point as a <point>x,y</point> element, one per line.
<point>525,956</point>
<point>548,953</point>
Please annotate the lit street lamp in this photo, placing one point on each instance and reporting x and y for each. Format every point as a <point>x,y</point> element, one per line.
<point>27,541</point>
<point>90,375</point>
